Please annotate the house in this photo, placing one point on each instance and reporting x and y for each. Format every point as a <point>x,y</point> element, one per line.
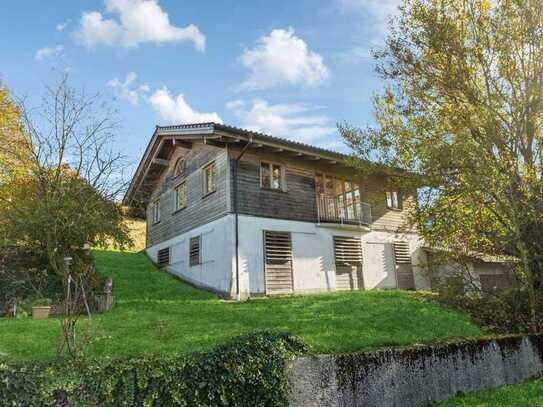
<point>245,214</point>
<point>479,271</point>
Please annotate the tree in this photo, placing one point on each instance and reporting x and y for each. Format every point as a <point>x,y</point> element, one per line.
<point>61,191</point>
<point>60,180</point>
<point>461,119</point>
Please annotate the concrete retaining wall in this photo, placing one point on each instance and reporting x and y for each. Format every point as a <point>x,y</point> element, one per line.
<point>414,376</point>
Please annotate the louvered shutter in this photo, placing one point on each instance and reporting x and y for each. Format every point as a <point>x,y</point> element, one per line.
<point>164,257</point>
<point>347,250</point>
<point>401,253</point>
<point>278,262</point>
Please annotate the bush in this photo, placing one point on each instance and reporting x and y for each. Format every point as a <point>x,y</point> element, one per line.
<point>24,278</point>
<point>502,312</point>
<point>247,371</point>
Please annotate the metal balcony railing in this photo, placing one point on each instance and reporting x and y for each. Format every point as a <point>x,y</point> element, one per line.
<point>332,209</point>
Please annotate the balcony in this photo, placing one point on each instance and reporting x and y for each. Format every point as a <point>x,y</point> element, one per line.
<point>342,210</point>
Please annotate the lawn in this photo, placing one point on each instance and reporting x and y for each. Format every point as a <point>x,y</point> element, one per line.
<point>157,313</point>
<point>527,394</point>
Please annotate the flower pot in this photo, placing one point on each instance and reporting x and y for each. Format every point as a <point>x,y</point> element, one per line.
<point>41,312</point>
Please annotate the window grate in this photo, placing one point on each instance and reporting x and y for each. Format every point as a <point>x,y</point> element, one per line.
<point>347,250</point>
<point>164,257</point>
<point>401,253</point>
<point>194,252</point>
<point>278,247</point>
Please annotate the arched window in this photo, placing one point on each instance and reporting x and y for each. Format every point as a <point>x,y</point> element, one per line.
<point>179,168</point>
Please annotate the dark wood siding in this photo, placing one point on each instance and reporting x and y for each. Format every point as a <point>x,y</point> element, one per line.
<point>199,209</point>
<point>298,202</point>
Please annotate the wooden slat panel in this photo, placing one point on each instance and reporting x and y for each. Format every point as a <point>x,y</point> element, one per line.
<point>347,250</point>
<point>406,280</point>
<point>278,262</point>
<point>349,278</point>
<point>163,257</point>
<point>401,253</point>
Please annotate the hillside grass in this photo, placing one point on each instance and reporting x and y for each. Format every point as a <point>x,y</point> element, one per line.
<point>527,394</point>
<point>157,313</point>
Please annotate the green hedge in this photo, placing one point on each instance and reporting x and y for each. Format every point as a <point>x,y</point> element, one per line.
<point>247,371</point>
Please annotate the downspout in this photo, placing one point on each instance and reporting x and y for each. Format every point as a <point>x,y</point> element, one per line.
<point>236,214</point>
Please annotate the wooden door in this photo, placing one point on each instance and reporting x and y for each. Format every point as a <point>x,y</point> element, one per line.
<point>278,263</point>
<point>404,268</point>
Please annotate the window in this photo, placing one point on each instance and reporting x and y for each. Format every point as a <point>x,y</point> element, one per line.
<point>401,253</point>
<point>209,178</point>
<point>271,176</point>
<point>340,199</point>
<point>164,257</point>
<point>194,251</point>
<point>155,211</point>
<point>180,196</point>
<point>394,200</point>
<point>179,168</point>
<point>347,251</point>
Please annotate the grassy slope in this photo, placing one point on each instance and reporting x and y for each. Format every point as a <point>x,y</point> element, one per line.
<point>157,313</point>
<point>527,394</point>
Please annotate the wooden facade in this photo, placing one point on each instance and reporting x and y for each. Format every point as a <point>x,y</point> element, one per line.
<point>200,208</point>
<point>296,200</point>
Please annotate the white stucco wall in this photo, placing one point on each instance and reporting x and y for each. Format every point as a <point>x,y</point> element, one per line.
<point>217,253</point>
<point>313,254</point>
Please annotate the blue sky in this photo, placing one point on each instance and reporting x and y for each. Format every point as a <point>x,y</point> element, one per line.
<point>288,68</point>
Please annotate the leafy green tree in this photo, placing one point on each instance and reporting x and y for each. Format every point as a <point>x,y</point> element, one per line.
<point>461,120</point>
<point>64,193</point>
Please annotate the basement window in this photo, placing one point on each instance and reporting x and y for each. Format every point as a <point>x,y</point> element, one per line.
<point>271,176</point>
<point>195,256</point>
<point>164,257</point>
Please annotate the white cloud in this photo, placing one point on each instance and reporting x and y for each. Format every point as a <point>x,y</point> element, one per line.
<point>49,52</point>
<point>139,21</point>
<point>292,121</point>
<point>376,11</point>
<point>282,58</point>
<point>126,91</point>
<point>177,110</point>
<point>61,26</point>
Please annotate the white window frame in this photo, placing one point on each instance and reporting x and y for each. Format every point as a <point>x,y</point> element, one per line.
<point>155,211</point>
<point>176,196</point>
<point>205,186</point>
<point>393,200</point>
<point>282,176</point>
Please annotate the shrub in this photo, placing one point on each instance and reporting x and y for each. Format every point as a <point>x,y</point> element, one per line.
<point>247,371</point>
<point>502,312</point>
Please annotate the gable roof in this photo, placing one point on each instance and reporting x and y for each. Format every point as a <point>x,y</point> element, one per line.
<point>186,133</point>
<point>214,127</point>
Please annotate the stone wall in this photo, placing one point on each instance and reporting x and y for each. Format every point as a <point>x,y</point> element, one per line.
<point>414,376</point>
